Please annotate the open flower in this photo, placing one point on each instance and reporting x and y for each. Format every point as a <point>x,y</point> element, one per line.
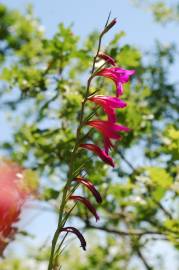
<point>100,153</point>
<point>86,203</point>
<point>90,186</point>
<point>108,130</point>
<point>77,233</point>
<point>109,104</point>
<point>118,75</point>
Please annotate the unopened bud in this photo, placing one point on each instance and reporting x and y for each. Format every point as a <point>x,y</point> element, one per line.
<point>106,58</point>
<point>109,26</point>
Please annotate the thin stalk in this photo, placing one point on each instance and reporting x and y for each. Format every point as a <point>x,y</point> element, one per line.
<point>60,245</point>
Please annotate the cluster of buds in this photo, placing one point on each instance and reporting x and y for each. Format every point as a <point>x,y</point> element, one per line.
<point>109,130</point>
<point>14,191</point>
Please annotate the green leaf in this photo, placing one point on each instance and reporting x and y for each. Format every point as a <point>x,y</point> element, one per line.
<point>31,179</point>
<point>129,57</point>
<point>50,193</point>
<point>159,176</point>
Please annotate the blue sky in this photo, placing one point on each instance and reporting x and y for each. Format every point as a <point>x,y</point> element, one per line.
<point>139,26</point>
<point>90,15</point>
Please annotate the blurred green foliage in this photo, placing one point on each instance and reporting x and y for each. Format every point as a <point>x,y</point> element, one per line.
<point>163,11</point>
<point>42,86</point>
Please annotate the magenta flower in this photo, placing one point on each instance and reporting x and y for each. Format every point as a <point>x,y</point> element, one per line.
<point>77,233</point>
<point>107,128</point>
<point>106,58</point>
<point>100,153</point>
<point>108,144</point>
<point>118,75</point>
<point>109,104</point>
<point>90,186</point>
<point>86,203</point>
<point>109,131</point>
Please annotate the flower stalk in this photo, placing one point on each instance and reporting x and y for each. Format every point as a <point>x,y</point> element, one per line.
<point>73,155</point>
<point>108,129</point>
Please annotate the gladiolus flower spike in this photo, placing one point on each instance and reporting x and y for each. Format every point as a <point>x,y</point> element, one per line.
<point>86,203</point>
<point>90,186</point>
<point>118,75</point>
<point>109,130</point>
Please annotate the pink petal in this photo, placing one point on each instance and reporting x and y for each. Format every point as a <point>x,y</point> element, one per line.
<point>111,114</point>
<point>100,153</point>
<point>107,128</point>
<point>109,104</point>
<point>107,144</point>
<point>113,102</point>
<point>119,89</point>
<point>118,75</point>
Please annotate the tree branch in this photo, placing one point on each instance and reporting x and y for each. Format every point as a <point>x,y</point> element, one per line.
<point>126,161</point>
<point>141,256</point>
<point>120,232</point>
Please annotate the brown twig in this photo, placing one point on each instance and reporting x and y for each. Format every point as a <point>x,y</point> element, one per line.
<point>121,232</point>
<point>141,256</point>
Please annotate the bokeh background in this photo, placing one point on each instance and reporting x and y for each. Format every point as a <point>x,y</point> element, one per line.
<point>147,27</point>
